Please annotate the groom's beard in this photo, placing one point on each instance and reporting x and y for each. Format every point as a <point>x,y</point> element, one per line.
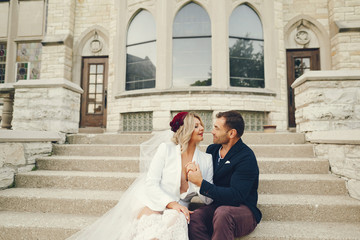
<point>221,139</point>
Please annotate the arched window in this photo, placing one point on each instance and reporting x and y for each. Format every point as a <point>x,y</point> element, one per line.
<point>246,48</point>
<point>141,52</point>
<point>192,47</point>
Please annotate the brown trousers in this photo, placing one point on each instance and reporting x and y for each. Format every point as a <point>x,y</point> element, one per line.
<point>221,222</point>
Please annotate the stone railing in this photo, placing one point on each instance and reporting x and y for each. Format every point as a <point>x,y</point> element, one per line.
<point>19,150</point>
<point>328,112</point>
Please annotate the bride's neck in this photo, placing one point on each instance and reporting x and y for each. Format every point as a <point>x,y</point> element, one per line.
<point>188,154</point>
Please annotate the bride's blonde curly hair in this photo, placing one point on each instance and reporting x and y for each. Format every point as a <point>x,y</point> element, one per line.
<point>183,135</point>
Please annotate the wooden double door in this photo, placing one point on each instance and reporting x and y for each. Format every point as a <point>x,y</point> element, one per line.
<point>94,98</point>
<point>299,61</point>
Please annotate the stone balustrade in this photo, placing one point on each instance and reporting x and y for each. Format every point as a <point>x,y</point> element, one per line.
<point>328,112</point>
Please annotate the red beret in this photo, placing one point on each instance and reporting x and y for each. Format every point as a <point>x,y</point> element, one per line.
<point>178,121</point>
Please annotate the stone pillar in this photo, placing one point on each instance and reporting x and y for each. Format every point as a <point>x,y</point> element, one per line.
<point>327,100</point>
<point>7,94</point>
<point>344,18</point>
<point>56,60</point>
<point>47,105</point>
<point>328,112</point>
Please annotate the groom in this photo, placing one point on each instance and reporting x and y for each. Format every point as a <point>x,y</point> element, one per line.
<point>236,178</point>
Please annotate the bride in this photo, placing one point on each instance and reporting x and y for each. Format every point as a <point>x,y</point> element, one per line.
<point>156,205</point>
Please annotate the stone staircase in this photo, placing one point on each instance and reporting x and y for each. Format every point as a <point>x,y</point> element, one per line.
<point>82,180</point>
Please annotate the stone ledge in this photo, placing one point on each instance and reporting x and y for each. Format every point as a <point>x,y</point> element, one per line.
<point>204,90</point>
<point>6,87</point>
<point>350,137</point>
<point>344,75</point>
<point>28,136</point>
<point>53,40</point>
<point>48,83</point>
<point>348,26</point>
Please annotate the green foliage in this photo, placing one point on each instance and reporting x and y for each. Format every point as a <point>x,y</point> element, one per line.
<point>246,64</point>
<point>202,83</point>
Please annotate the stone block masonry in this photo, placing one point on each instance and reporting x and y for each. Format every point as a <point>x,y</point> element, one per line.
<point>327,101</point>
<point>19,151</point>
<point>47,105</point>
<point>328,112</point>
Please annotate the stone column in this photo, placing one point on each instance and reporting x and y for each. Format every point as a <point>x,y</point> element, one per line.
<point>7,94</point>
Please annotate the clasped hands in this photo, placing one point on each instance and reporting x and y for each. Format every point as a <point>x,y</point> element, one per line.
<point>193,173</point>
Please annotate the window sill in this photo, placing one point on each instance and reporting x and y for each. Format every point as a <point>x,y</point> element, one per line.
<point>204,90</point>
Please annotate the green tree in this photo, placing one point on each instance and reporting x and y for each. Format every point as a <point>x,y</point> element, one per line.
<point>246,64</point>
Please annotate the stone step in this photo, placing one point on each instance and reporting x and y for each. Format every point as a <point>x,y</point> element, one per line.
<point>137,138</point>
<point>275,207</point>
<point>315,184</point>
<point>273,151</point>
<point>45,226</point>
<point>89,163</point>
<point>40,226</point>
<point>65,201</point>
<point>131,164</point>
<point>310,208</point>
<point>275,230</point>
<point>292,165</point>
<point>118,181</point>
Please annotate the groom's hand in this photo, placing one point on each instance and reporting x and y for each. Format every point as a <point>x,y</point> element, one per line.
<point>195,176</point>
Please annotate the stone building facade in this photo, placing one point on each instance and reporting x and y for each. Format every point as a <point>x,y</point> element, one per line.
<point>129,65</point>
<point>193,47</point>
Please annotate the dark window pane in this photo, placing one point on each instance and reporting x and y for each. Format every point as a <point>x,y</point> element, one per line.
<point>141,57</point>
<point>2,73</point>
<point>192,62</point>
<point>297,62</point>
<point>246,63</point>
<point>2,52</point>
<point>192,20</point>
<point>141,69</point>
<point>245,23</point>
<point>142,28</point>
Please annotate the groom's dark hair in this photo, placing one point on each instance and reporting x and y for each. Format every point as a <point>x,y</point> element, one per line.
<point>234,120</point>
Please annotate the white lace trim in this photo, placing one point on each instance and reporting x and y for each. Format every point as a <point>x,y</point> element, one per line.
<point>170,225</point>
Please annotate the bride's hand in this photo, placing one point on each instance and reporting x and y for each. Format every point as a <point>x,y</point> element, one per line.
<point>181,209</point>
<point>190,167</point>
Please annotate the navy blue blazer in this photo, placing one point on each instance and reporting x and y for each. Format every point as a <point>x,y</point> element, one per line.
<point>236,178</point>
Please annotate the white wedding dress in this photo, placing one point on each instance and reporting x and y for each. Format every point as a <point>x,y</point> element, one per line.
<point>121,223</point>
